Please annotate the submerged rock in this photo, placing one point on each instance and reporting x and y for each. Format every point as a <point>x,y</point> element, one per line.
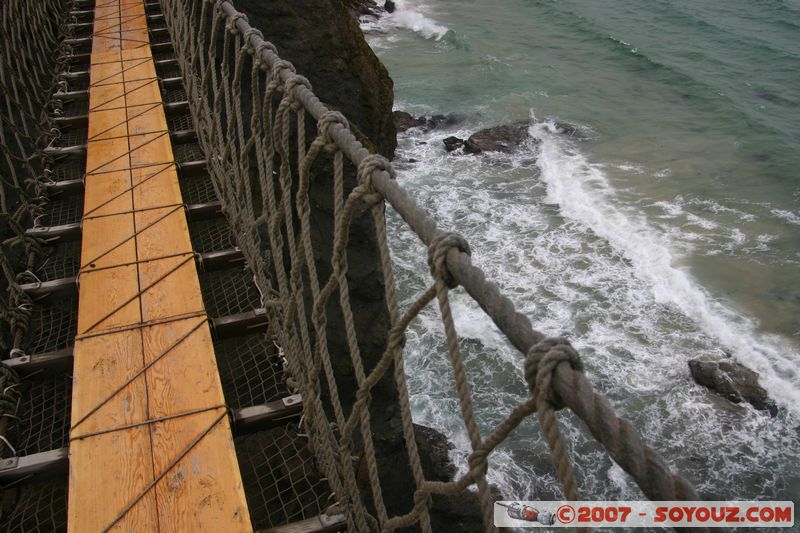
<point>404,121</point>
<point>452,143</point>
<point>565,128</point>
<point>454,512</point>
<point>497,139</point>
<point>361,8</point>
<point>732,380</point>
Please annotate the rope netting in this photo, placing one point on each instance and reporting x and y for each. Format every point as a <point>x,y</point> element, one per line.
<point>269,142</point>
<point>32,52</point>
<point>34,413</point>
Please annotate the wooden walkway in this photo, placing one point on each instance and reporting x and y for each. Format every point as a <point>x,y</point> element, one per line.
<point>151,446</point>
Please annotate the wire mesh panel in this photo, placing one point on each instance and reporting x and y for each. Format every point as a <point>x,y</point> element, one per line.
<point>180,123</point>
<point>60,261</point>
<point>172,95</point>
<point>75,84</point>
<point>187,152</point>
<point>53,325</point>
<point>227,292</point>
<point>68,169</point>
<point>39,507</point>
<point>211,235</point>
<point>63,209</point>
<point>251,370</point>
<point>280,478</point>
<point>73,137</point>
<point>44,414</point>
<point>169,70</point>
<point>198,189</point>
<point>76,107</point>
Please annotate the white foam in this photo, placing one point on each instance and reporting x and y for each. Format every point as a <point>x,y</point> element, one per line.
<point>583,194</point>
<point>788,216</point>
<point>412,16</point>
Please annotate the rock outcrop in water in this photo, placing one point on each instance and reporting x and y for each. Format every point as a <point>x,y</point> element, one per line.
<point>505,138</point>
<point>366,8</point>
<point>497,139</point>
<point>457,512</point>
<point>405,121</point>
<point>732,380</point>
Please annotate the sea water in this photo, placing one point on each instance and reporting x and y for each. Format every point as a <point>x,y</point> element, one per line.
<point>666,228</point>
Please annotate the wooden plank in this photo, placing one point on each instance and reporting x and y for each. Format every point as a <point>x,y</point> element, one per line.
<point>138,267</point>
<point>98,371</point>
<point>197,490</point>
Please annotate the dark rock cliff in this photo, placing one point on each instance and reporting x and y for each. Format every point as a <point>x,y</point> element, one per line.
<point>326,45</point>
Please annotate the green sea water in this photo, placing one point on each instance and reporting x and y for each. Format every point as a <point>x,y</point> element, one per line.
<point>667,228</point>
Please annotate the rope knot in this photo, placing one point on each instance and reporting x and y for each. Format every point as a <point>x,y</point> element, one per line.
<point>327,121</point>
<point>230,24</point>
<point>250,32</point>
<point>278,67</point>
<point>258,53</point>
<point>293,81</point>
<point>478,465</point>
<point>437,255</point>
<point>540,364</point>
<point>366,170</point>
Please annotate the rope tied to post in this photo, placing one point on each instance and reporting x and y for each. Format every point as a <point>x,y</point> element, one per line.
<point>440,246</point>
<point>294,81</point>
<point>230,23</point>
<point>541,363</point>
<point>258,52</point>
<point>366,170</point>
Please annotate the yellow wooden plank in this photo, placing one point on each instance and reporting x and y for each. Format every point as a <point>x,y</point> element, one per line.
<point>200,492</point>
<point>105,299</point>
<point>146,118</point>
<point>204,492</point>
<point>141,90</point>
<point>106,194</point>
<point>150,148</point>
<point>138,267</point>
<point>156,186</point>
<point>174,295</point>
<point>101,365</point>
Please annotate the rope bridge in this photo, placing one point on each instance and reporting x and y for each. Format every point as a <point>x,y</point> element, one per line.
<point>271,146</point>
